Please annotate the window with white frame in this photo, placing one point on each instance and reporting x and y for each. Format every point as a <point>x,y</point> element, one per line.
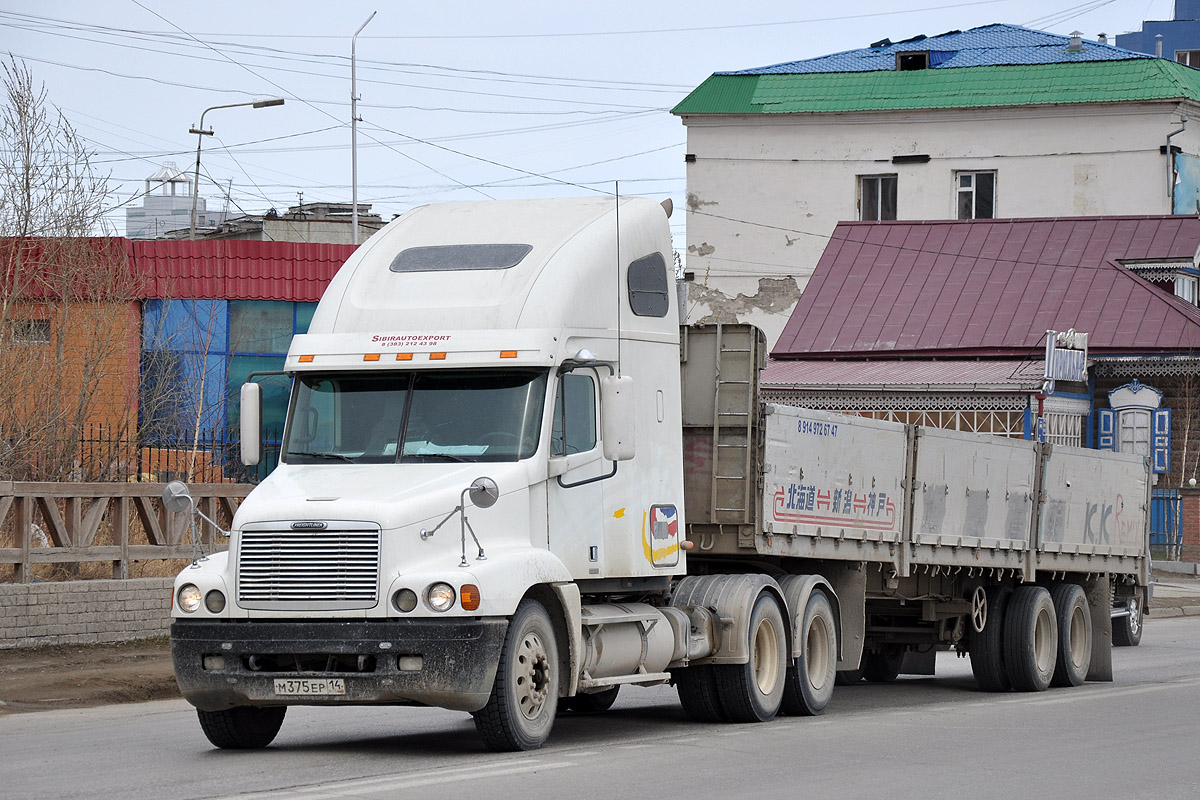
<point>1186,288</point>
<point>1189,57</point>
<point>876,197</point>
<point>976,194</point>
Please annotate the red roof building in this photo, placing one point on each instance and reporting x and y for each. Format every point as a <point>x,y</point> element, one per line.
<point>944,323</point>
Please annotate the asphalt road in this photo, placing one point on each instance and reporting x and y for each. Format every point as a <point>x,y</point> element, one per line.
<point>927,738</point>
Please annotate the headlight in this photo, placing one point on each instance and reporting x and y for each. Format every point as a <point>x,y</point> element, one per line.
<point>440,596</point>
<point>405,600</point>
<point>188,597</point>
<point>214,601</point>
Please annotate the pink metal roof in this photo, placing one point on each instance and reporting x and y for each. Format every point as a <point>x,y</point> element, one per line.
<point>992,287</point>
<point>882,374</point>
<point>237,270</point>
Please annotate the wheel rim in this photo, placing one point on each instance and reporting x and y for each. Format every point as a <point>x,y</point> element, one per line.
<point>1135,616</point>
<point>816,654</point>
<point>1043,641</point>
<point>532,676</point>
<point>979,609</point>
<point>766,661</point>
<point>1077,636</point>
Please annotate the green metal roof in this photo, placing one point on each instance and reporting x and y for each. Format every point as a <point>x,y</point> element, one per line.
<point>966,87</point>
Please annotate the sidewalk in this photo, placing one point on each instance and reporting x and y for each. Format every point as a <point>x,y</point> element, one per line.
<point>1176,594</point>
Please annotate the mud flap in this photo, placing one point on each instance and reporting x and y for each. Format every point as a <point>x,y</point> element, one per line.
<point>1099,597</point>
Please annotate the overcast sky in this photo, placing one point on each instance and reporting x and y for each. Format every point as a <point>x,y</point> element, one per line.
<point>459,100</point>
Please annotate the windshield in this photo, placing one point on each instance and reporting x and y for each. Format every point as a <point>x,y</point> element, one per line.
<point>467,415</point>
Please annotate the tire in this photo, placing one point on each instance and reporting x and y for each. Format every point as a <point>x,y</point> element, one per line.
<point>987,646</point>
<point>242,727</point>
<point>810,677</point>
<point>1127,630</point>
<point>753,692</point>
<point>883,666</point>
<point>697,687</point>
<point>1031,639</point>
<point>593,703</point>
<point>848,677</point>
<point>1074,617</point>
<point>520,712</point>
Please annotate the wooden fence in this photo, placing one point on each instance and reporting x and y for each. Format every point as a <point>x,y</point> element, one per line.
<point>114,523</point>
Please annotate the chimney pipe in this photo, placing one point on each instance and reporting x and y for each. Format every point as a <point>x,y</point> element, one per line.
<point>1102,38</point>
<point>1076,43</point>
<point>1158,45</point>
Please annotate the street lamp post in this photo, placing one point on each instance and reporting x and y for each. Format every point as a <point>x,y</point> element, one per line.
<point>201,133</point>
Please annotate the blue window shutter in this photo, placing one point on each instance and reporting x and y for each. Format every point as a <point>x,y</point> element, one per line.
<point>1107,439</point>
<point>1161,441</point>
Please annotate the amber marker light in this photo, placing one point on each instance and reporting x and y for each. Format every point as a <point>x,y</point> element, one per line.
<point>508,353</point>
<point>437,356</point>
<point>306,359</point>
<point>371,357</point>
<point>468,596</point>
<point>404,356</point>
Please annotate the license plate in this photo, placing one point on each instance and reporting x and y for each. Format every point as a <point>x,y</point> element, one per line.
<point>310,686</point>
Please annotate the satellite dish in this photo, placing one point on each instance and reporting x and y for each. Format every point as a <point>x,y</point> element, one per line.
<point>484,492</point>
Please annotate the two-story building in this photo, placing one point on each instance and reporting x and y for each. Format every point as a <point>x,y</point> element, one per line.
<point>994,122</point>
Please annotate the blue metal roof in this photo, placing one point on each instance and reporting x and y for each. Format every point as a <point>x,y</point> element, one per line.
<point>986,46</point>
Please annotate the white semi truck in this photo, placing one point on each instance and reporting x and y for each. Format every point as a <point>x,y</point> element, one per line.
<point>510,482</point>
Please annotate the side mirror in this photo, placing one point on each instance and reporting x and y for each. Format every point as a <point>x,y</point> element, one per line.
<point>176,498</point>
<point>483,492</point>
<point>617,417</point>
<point>251,424</point>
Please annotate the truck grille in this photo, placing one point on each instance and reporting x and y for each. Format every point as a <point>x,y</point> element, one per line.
<point>284,569</point>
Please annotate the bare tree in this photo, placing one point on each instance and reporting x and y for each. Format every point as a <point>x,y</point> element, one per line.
<point>68,312</point>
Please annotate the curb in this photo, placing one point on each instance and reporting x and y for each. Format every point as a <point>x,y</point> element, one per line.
<point>1167,612</point>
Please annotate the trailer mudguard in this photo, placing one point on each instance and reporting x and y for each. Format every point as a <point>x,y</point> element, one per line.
<point>796,591</point>
<point>732,599</point>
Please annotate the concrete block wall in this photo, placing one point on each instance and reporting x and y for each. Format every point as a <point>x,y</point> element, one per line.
<point>84,612</point>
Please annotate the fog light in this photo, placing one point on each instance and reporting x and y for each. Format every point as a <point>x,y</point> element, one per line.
<point>405,600</point>
<point>410,663</point>
<point>189,597</point>
<point>215,663</point>
<point>440,596</point>
<point>214,601</point>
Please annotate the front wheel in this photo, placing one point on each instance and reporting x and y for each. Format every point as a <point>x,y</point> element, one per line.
<point>810,678</point>
<point>242,727</point>
<point>524,699</point>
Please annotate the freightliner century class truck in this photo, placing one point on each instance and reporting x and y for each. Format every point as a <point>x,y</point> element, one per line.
<point>511,483</point>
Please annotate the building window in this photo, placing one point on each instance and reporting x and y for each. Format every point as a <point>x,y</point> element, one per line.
<point>876,197</point>
<point>31,331</point>
<point>976,195</point>
<point>1186,288</point>
<point>1189,57</point>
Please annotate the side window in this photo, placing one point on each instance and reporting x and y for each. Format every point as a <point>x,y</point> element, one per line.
<point>574,428</point>
<point>976,195</point>
<point>648,286</point>
<point>876,197</point>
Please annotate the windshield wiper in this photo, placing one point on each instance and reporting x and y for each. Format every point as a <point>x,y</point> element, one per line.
<point>327,456</point>
<point>439,457</point>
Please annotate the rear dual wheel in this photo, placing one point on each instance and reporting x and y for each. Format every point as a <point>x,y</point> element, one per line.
<point>811,677</point>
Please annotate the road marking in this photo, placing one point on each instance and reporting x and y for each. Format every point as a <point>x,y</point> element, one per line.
<point>389,784</point>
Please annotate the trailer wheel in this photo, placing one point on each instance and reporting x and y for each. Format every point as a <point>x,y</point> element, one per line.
<point>1074,635</point>
<point>242,727</point>
<point>520,711</point>
<point>883,666</point>
<point>1127,630</point>
<point>697,687</point>
<point>593,703</point>
<point>810,678</point>
<point>986,642</point>
<point>1031,639</point>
